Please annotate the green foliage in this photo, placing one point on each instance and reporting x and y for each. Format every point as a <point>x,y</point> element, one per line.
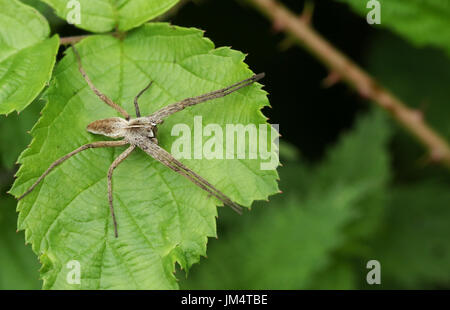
<point>414,249</point>
<point>290,243</point>
<point>412,75</point>
<point>107,15</point>
<point>350,207</point>
<point>27,56</point>
<point>281,250</point>
<point>423,22</point>
<point>19,266</point>
<point>418,77</point>
<point>339,275</point>
<point>360,159</point>
<point>163,218</point>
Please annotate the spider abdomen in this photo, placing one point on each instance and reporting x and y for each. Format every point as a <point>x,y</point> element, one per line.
<point>114,127</point>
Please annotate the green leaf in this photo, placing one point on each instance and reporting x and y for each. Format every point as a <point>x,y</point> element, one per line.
<point>107,15</point>
<point>288,152</point>
<point>47,12</point>
<point>292,243</point>
<point>19,266</point>
<point>361,159</point>
<point>283,249</point>
<point>423,22</point>
<point>412,74</point>
<point>340,275</point>
<point>414,249</point>
<point>163,218</point>
<point>27,57</point>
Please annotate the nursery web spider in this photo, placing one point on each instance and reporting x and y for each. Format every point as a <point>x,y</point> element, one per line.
<point>140,132</point>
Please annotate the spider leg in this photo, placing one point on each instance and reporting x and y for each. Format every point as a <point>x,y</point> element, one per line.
<point>136,105</point>
<point>168,160</point>
<point>67,156</point>
<point>113,166</point>
<point>159,115</point>
<point>99,94</point>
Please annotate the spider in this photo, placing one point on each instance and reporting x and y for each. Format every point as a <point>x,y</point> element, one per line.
<point>141,132</point>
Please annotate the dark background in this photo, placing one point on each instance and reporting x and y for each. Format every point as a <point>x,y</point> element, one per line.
<point>310,116</point>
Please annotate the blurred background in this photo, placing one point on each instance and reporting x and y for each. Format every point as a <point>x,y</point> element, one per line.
<point>355,185</point>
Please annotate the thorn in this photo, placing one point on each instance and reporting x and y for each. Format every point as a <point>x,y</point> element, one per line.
<point>278,26</point>
<point>281,192</point>
<point>287,43</point>
<point>417,115</point>
<point>436,156</point>
<point>365,93</point>
<point>433,157</point>
<point>332,79</point>
<point>305,17</point>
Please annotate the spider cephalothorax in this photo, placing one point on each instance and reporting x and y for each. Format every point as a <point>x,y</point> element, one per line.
<point>140,132</point>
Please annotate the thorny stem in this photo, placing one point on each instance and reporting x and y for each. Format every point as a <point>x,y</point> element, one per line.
<point>337,62</point>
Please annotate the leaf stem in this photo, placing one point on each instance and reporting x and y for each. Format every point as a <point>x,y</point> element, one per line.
<point>72,40</point>
<point>411,119</point>
<point>76,39</point>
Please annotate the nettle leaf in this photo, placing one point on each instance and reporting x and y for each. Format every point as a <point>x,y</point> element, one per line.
<point>163,218</point>
<point>19,266</point>
<point>423,22</point>
<point>27,56</point>
<point>107,15</point>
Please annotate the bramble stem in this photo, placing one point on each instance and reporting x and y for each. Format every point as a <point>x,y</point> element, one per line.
<point>438,148</point>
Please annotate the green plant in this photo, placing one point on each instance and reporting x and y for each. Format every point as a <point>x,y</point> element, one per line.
<point>371,195</point>
<point>165,219</point>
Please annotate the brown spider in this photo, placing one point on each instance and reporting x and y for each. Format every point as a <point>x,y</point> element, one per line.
<point>141,132</point>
